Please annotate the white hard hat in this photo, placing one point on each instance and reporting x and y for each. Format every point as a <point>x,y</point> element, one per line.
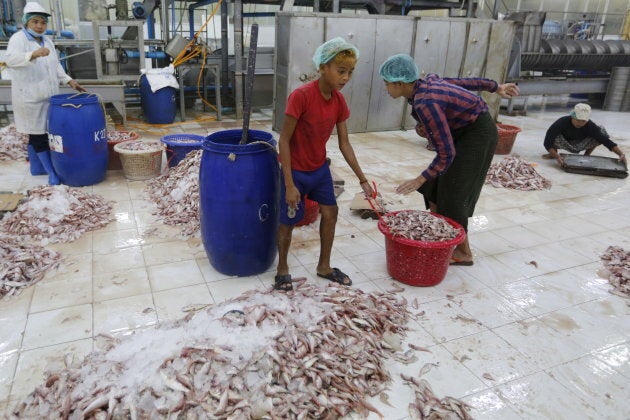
<point>34,7</point>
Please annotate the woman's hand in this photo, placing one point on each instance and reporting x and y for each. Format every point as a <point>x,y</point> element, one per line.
<point>622,159</point>
<point>76,86</point>
<point>560,160</point>
<point>507,90</point>
<point>40,52</point>
<point>410,185</point>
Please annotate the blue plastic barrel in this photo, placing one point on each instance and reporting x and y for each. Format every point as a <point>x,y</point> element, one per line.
<point>239,194</point>
<point>77,138</point>
<point>179,145</point>
<point>158,107</point>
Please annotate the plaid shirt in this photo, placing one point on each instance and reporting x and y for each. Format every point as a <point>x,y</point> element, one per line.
<point>444,105</point>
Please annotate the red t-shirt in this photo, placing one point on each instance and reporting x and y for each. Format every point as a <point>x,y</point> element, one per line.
<point>317,117</point>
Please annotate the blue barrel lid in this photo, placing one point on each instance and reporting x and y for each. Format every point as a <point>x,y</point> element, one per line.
<point>227,141</point>
<point>183,139</point>
<point>79,98</point>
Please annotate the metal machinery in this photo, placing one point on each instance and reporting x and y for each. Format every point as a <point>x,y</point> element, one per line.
<point>565,66</point>
<point>451,47</point>
<point>109,49</point>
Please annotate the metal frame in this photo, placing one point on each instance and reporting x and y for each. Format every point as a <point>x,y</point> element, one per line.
<point>216,72</point>
<point>108,92</point>
<point>98,53</point>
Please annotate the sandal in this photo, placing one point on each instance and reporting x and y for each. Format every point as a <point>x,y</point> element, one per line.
<point>457,261</point>
<point>337,276</point>
<point>283,283</point>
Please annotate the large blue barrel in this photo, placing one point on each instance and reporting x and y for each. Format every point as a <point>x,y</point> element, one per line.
<point>239,192</point>
<point>77,138</point>
<point>158,107</point>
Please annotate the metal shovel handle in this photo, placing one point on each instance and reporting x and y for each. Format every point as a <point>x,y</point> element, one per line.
<point>249,82</point>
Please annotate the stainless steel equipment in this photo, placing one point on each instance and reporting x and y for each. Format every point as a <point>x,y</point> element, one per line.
<point>449,47</point>
<point>112,50</point>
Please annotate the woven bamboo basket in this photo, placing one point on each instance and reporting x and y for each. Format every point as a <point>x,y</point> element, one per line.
<point>113,138</point>
<point>139,165</point>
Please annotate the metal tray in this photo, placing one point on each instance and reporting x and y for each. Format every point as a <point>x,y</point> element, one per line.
<point>594,165</point>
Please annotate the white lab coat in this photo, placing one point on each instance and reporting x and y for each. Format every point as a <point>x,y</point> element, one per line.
<point>32,82</point>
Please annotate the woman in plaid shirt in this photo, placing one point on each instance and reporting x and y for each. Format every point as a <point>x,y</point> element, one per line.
<point>456,121</point>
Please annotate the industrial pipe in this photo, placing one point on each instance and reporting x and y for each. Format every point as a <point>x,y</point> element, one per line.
<point>149,54</point>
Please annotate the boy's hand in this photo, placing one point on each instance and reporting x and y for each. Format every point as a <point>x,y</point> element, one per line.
<point>292,197</point>
<point>367,190</point>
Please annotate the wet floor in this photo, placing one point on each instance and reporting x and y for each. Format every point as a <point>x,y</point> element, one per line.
<point>511,338</point>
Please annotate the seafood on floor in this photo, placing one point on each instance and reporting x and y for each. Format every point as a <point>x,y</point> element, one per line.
<point>22,265</point>
<point>616,261</point>
<point>57,214</point>
<point>12,144</point>
<point>311,353</point>
<point>513,172</point>
<point>176,194</point>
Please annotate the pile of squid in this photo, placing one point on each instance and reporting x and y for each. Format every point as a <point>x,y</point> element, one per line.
<point>420,226</point>
<point>118,136</point>
<point>57,214</point>
<point>141,146</point>
<point>427,406</point>
<point>513,172</point>
<point>22,265</point>
<point>12,143</point>
<point>616,261</point>
<point>309,353</point>
<point>176,194</point>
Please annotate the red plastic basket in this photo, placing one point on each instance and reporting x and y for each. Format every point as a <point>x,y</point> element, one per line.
<point>311,210</point>
<point>507,136</point>
<point>419,263</point>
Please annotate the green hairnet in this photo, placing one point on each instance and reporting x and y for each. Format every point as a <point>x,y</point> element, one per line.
<point>399,68</point>
<point>329,49</point>
<point>28,16</point>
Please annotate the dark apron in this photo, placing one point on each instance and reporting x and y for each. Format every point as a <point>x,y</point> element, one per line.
<point>457,190</point>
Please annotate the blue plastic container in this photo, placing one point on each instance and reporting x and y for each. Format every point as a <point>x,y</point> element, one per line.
<point>77,138</point>
<point>239,194</point>
<point>179,145</point>
<point>158,107</point>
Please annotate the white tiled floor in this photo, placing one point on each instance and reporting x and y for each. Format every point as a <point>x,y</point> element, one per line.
<point>555,342</point>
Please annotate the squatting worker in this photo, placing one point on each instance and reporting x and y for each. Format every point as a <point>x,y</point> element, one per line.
<point>576,132</point>
<point>313,111</point>
<point>35,77</point>
<point>456,121</point>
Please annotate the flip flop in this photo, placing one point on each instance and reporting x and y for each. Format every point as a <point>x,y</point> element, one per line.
<point>337,276</point>
<point>457,261</point>
<point>283,283</point>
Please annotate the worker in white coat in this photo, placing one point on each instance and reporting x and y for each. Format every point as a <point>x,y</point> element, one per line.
<point>35,77</point>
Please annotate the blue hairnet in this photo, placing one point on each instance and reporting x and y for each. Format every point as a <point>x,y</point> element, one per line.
<point>399,68</point>
<point>28,16</point>
<point>329,49</point>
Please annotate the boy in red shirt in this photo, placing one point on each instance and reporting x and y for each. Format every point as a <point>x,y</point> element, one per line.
<point>313,111</point>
